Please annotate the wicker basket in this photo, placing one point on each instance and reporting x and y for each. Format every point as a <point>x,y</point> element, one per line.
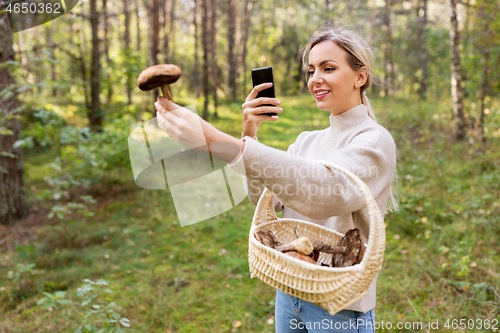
<point>333,289</point>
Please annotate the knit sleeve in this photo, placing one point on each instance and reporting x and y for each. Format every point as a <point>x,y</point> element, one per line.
<point>253,187</point>
<point>316,191</point>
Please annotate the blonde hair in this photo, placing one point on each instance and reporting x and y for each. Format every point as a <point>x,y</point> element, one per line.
<point>359,55</point>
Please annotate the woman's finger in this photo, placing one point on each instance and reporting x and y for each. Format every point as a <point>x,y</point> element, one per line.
<point>261,100</point>
<point>159,109</point>
<point>167,104</point>
<point>262,109</point>
<point>265,118</point>
<point>258,88</point>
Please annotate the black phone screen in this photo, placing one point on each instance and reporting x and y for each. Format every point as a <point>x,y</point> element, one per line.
<point>262,75</point>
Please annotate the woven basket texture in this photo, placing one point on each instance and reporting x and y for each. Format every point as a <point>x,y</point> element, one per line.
<point>332,288</point>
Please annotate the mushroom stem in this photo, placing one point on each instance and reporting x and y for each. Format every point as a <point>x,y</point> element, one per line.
<point>322,247</point>
<point>303,245</point>
<point>166,92</point>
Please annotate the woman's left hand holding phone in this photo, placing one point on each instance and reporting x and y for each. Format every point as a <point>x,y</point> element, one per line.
<point>253,109</point>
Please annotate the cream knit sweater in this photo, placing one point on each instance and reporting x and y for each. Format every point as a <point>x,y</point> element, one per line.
<point>312,192</point>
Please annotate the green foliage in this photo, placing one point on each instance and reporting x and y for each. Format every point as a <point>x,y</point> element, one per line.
<point>50,301</point>
<point>84,157</point>
<point>83,154</point>
<point>60,183</point>
<point>21,284</point>
<point>22,272</point>
<point>99,318</point>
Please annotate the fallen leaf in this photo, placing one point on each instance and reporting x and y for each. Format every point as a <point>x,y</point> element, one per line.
<point>236,324</point>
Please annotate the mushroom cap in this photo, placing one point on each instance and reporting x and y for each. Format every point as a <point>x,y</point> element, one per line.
<point>158,75</point>
<point>266,237</point>
<point>355,249</point>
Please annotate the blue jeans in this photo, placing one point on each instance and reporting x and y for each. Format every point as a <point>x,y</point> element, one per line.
<point>293,315</point>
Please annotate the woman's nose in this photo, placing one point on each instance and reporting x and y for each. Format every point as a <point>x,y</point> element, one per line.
<point>316,78</point>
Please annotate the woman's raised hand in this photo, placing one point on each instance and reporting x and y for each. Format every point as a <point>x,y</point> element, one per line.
<point>183,125</point>
<point>252,117</point>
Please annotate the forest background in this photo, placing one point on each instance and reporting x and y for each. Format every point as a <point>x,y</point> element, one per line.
<point>84,249</point>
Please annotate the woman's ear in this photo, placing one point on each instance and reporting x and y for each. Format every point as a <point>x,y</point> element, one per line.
<point>361,77</point>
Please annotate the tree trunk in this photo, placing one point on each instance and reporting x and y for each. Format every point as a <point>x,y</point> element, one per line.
<point>299,76</point>
<point>171,33</point>
<point>242,54</point>
<point>128,52</point>
<point>24,56</point>
<point>13,205</point>
<point>155,39</point>
<point>484,85</point>
<point>487,35</point>
<point>138,40</point>
<point>425,52</point>
<point>165,31</point>
<point>50,41</point>
<point>83,67</point>
<point>95,114</point>
<point>106,48</point>
<point>456,75</point>
<point>266,40</point>
<point>155,29</point>
<point>213,30</point>
<point>375,87</point>
<point>231,18</point>
<point>35,38</point>
<point>196,70</point>
<point>204,40</point>
<point>388,50</point>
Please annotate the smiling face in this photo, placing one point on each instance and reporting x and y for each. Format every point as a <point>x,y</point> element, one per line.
<point>331,80</point>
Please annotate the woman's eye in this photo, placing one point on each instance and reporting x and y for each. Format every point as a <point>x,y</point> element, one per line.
<point>329,69</point>
<point>310,73</point>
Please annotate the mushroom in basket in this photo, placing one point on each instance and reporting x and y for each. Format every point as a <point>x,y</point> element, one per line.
<point>348,252</point>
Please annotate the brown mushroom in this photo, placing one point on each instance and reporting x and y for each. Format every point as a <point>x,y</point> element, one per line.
<point>355,250</point>
<point>323,247</point>
<point>266,237</point>
<point>300,256</point>
<point>159,76</point>
<point>348,252</point>
<point>303,245</point>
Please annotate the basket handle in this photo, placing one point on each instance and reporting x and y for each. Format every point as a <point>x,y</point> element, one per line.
<point>264,212</point>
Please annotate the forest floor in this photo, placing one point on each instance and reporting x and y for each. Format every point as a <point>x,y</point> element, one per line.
<point>441,265</point>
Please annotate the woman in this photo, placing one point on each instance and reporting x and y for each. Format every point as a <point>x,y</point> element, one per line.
<point>339,66</point>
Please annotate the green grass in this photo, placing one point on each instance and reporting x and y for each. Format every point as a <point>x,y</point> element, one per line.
<point>441,259</point>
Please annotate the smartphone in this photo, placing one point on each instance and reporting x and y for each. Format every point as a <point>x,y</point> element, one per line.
<point>262,75</point>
